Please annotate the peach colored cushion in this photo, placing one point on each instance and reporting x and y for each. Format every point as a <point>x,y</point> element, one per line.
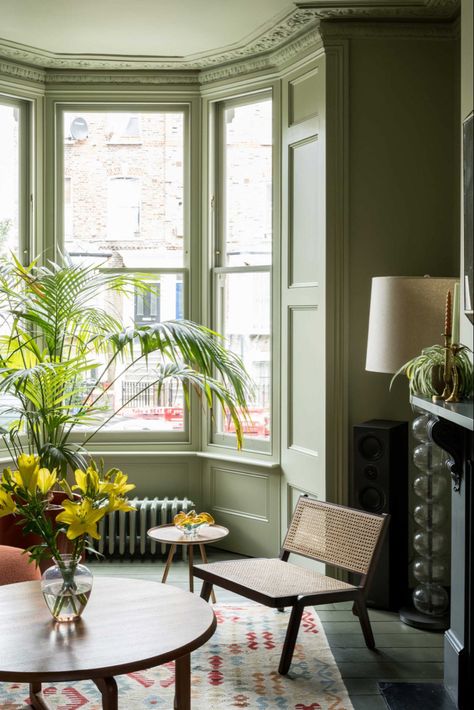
<point>14,566</point>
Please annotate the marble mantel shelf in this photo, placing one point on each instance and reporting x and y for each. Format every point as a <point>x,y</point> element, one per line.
<point>461,414</point>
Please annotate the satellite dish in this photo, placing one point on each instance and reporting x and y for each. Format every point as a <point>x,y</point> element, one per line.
<point>79,128</point>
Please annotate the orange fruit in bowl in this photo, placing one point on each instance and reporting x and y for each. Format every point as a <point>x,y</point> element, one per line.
<point>193,518</point>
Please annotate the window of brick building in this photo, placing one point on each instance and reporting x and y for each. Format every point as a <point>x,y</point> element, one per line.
<point>242,284</point>
<point>14,194</point>
<point>128,214</point>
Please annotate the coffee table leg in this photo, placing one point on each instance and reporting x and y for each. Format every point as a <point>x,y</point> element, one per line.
<point>37,702</point>
<point>108,690</point>
<point>204,559</point>
<point>168,563</point>
<point>182,694</point>
<point>190,562</point>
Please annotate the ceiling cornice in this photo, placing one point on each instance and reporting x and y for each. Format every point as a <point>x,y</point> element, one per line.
<point>20,71</point>
<point>386,30</point>
<point>268,39</point>
<point>382,9</point>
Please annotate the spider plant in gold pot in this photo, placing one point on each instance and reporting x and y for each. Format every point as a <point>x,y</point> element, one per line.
<point>426,372</point>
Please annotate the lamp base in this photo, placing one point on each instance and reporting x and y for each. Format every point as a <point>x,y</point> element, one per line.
<point>411,617</point>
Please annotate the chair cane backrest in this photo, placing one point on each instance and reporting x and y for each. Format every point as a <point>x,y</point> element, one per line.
<point>339,536</point>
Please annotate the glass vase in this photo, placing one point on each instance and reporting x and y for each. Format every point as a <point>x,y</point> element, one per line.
<point>66,588</point>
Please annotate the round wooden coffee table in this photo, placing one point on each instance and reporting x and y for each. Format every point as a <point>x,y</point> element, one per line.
<point>128,625</point>
<point>170,535</point>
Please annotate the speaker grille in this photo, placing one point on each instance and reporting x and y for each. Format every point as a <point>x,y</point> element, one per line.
<point>372,499</point>
<point>371,448</point>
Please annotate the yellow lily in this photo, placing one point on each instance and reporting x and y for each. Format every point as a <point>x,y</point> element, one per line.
<point>7,504</point>
<point>28,468</point>
<point>118,503</point>
<point>46,479</point>
<point>120,485</point>
<point>89,483</point>
<point>81,518</point>
<point>86,481</point>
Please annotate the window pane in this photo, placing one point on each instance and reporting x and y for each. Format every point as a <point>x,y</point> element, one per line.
<point>248,184</point>
<point>123,187</point>
<point>9,179</point>
<point>131,389</point>
<point>9,215</point>
<point>245,321</point>
<point>123,208</point>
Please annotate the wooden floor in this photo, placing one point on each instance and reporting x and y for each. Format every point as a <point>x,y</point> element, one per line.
<point>403,653</point>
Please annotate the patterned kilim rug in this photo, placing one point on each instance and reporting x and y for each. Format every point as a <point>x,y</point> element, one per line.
<point>236,668</point>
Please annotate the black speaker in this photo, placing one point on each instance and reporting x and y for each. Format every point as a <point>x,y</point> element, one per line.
<point>380,485</point>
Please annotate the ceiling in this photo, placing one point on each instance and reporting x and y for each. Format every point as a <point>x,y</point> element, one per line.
<point>188,34</point>
<point>166,28</point>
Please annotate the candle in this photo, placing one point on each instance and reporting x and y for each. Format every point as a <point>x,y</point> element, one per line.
<point>455,337</point>
<point>448,317</point>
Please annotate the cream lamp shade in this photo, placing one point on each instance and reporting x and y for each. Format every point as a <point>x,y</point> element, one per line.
<point>407,314</point>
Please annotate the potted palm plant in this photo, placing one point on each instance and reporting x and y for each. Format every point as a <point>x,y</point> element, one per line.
<point>60,353</point>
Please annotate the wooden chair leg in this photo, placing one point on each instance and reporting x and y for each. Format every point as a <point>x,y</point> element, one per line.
<point>206,590</point>
<point>290,639</point>
<point>361,612</point>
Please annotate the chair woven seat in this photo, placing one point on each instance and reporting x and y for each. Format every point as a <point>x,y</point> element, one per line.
<point>273,577</point>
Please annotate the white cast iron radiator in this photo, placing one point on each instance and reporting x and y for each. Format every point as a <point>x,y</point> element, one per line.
<point>124,534</point>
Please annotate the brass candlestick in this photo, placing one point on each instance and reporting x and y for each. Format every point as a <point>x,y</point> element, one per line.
<point>454,396</point>
<point>450,374</point>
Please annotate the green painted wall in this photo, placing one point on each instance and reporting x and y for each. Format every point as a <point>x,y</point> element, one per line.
<point>403,216</point>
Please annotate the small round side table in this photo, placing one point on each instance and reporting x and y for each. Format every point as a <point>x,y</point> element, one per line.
<point>170,535</point>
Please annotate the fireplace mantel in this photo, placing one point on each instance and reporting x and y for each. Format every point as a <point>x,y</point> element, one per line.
<point>452,429</point>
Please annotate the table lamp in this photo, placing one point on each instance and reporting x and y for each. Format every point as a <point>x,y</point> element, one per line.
<point>406,315</point>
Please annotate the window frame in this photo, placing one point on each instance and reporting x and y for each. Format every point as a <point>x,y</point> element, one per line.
<point>253,445</point>
<point>127,440</point>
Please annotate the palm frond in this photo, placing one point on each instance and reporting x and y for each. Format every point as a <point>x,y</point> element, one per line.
<point>59,336</point>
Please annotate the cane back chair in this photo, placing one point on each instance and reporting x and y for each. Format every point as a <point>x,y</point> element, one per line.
<point>342,537</point>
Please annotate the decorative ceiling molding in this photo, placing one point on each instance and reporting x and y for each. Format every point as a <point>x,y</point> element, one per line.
<point>177,78</point>
<point>268,39</point>
<point>382,9</point>
<point>310,41</point>
<point>274,35</point>
<point>271,49</point>
<point>19,71</point>
<point>393,30</point>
